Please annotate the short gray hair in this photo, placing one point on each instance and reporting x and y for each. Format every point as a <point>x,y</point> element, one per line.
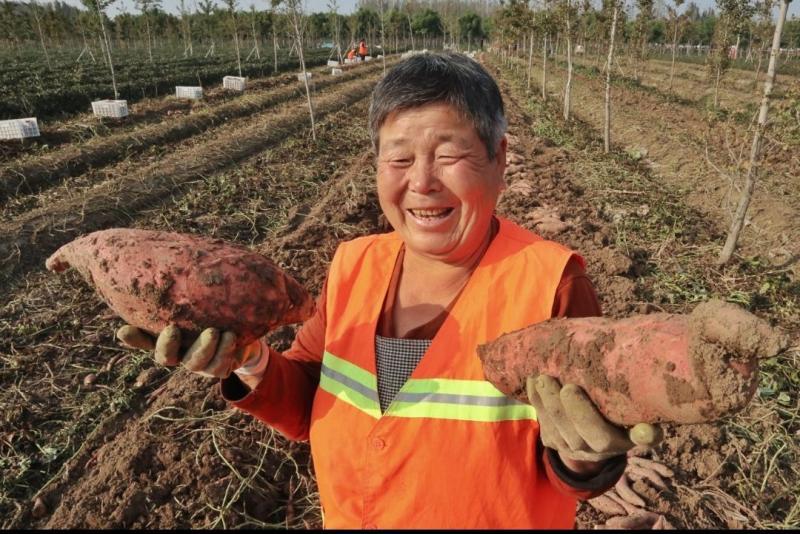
<point>441,77</point>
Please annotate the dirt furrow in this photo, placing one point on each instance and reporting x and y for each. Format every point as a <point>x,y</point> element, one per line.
<point>28,239</point>
<point>85,126</point>
<point>31,177</point>
<point>141,449</point>
<point>695,156</point>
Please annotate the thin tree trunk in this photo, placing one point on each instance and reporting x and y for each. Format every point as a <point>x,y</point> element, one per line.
<point>755,150</point>
<point>383,40</point>
<point>674,48</point>
<point>544,67</point>
<point>108,51</point>
<point>274,48</point>
<point>299,39</point>
<point>568,86</point>
<point>149,45</point>
<point>607,118</point>
<point>35,9</point>
<point>236,43</point>
<point>255,38</point>
<point>530,62</point>
<point>758,66</point>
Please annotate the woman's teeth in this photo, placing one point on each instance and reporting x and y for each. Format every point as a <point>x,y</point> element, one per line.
<point>430,213</point>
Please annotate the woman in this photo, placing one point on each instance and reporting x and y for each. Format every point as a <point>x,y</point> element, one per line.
<point>384,380</point>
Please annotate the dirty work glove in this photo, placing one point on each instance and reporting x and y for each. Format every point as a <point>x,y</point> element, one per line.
<point>570,423</point>
<point>212,354</point>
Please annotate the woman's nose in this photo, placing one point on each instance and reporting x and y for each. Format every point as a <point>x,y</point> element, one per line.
<point>423,178</point>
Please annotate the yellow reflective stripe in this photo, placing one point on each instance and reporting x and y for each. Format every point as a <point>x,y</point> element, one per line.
<point>462,412</point>
<point>464,400</point>
<point>437,398</point>
<point>350,396</point>
<point>350,370</point>
<point>448,385</point>
<point>351,384</point>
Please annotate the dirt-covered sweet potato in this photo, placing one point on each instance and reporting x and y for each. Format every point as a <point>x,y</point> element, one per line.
<point>643,369</point>
<point>151,279</point>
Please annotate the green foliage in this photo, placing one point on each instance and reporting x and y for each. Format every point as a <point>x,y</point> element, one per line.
<point>733,20</point>
<point>514,20</point>
<point>366,21</point>
<point>471,26</point>
<point>427,22</point>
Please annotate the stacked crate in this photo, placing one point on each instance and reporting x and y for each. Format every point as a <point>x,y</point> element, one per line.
<point>234,83</point>
<point>182,91</point>
<point>110,108</point>
<point>19,128</point>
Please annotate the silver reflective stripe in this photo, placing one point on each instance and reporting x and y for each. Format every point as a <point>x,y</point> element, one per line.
<point>350,383</point>
<point>450,398</point>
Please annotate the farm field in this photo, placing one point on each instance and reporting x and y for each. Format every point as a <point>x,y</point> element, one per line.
<point>141,446</point>
<point>28,87</point>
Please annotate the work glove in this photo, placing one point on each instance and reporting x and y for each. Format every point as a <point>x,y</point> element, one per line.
<point>570,423</point>
<point>212,354</point>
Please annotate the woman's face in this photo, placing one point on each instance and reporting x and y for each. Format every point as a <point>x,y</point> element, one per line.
<point>436,184</point>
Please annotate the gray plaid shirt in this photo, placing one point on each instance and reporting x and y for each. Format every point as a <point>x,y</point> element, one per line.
<point>396,359</point>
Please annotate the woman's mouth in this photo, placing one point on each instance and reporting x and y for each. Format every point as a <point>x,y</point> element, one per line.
<point>430,213</point>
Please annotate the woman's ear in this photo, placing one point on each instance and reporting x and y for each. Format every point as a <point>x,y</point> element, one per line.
<point>500,162</point>
<point>500,155</point>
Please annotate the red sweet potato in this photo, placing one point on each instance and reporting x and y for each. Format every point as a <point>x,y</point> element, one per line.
<point>643,369</point>
<point>151,279</point>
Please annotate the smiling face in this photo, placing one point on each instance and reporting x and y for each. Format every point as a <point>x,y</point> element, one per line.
<point>436,184</point>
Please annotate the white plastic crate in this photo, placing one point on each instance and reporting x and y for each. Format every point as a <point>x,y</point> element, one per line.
<point>110,108</point>
<point>235,83</point>
<point>19,128</point>
<point>300,76</point>
<point>367,58</point>
<point>336,72</point>
<point>349,61</point>
<point>183,91</point>
<point>333,63</point>
<point>379,56</point>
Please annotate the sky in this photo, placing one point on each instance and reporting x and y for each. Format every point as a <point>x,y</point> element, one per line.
<point>348,6</point>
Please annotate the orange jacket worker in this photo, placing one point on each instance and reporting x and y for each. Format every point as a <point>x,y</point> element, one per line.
<point>362,49</point>
<point>385,381</point>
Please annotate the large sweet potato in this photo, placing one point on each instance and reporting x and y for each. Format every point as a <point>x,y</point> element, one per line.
<point>151,279</point>
<point>643,369</point>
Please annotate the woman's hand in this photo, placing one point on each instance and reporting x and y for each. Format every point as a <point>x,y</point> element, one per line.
<point>570,423</point>
<point>212,354</point>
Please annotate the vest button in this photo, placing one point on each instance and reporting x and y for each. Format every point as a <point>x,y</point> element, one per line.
<point>378,443</point>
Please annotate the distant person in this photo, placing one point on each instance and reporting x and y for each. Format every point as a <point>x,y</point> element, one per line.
<point>351,54</point>
<point>363,51</point>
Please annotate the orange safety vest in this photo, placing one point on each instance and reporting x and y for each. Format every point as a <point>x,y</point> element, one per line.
<point>362,49</point>
<point>351,54</point>
<point>451,451</point>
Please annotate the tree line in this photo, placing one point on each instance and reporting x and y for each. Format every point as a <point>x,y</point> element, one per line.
<point>24,25</point>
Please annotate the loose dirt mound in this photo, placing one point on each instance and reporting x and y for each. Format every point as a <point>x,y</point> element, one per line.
<point>150,476</point>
